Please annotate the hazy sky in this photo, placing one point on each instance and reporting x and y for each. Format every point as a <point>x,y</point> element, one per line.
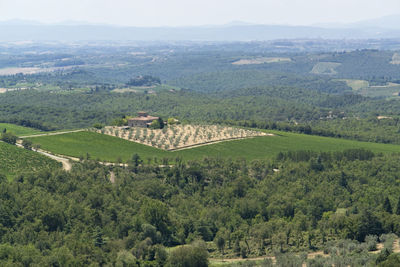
<point>197,12</point>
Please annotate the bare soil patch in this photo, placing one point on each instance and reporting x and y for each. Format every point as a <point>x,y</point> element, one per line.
<point>180,136</point>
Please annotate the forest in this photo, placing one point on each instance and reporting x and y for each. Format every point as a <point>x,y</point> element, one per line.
<point>219,207</point>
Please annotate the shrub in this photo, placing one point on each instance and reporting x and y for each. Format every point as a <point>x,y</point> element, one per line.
<point>98,126</point>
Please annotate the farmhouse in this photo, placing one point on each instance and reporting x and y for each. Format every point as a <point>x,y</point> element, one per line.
<point>142,120</point>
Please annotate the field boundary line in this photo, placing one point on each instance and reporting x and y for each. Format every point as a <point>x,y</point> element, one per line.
<point>214,142</point>
<point>56,133</point>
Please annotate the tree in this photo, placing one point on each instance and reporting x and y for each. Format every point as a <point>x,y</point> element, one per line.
<point>98,126</point>
<point>9,138</point>
<point>398,207</point>
<point>135,162</point>
<point>98,239</point>
<point>156,213</point>
<point>27,144</point>
<point>194,255</point>
<point>389,261</point>
<point>161,255</point>
<point>125,259</point>
<point>387,206</point>
<point>368,224</point>
<point>220,242</point>
<point>146,80</point>
<point>157,124</point>
<point>382,256</point>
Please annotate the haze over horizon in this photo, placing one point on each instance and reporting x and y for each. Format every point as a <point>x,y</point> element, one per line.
<point>155,13</point>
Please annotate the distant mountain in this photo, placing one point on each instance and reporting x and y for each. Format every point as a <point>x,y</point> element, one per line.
<point>391,22</point>
<point>236,31</point>
<point>19,22</point>
<point>387,22</point>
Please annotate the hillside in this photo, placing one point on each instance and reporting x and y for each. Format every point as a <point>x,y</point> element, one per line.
<point>15,161</point>
<point>283,151</point>
<point>18,130</point>
<point>112,149</point>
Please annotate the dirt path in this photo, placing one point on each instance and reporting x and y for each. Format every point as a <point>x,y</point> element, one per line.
<point>311,255</point>
<point>233,260</point>
<point>66,163</point>
<point>55,133</point>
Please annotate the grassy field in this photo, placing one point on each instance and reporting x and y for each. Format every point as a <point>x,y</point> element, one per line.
<point>18,130</point>
<point>14,161</point>
<point>355,84</point>
<point>362,87</point>
<point>108,148</point>
<point>99,146</point>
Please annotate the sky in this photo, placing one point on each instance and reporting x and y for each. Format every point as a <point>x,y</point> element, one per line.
<point>150,13</point>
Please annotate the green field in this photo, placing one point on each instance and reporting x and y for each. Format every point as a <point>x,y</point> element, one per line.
<point>18,130</point>
<point>108,148</point>
<point>14,161</point>
<point>390,90</point>
<point>355,84</point>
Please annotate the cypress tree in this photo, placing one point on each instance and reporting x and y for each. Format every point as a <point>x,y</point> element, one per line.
<point>387,206</point>
<point>398,207</point>
<point>98,237</point>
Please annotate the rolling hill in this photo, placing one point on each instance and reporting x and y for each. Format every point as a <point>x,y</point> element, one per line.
<point>108,148</point>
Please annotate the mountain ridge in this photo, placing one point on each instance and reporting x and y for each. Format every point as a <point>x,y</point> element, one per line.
<point>20,30</point>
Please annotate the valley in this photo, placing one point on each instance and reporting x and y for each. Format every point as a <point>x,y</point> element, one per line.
<point>280,153</point>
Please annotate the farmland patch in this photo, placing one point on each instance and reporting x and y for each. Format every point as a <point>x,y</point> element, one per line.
<point>180,136</point>
<point>328,68</point>
<point>112,149</point>
<point>261,60</point>
<point>395,59</point>
<point>28,70</point>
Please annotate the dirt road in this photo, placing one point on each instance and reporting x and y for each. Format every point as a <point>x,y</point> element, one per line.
<point>66,163</point>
